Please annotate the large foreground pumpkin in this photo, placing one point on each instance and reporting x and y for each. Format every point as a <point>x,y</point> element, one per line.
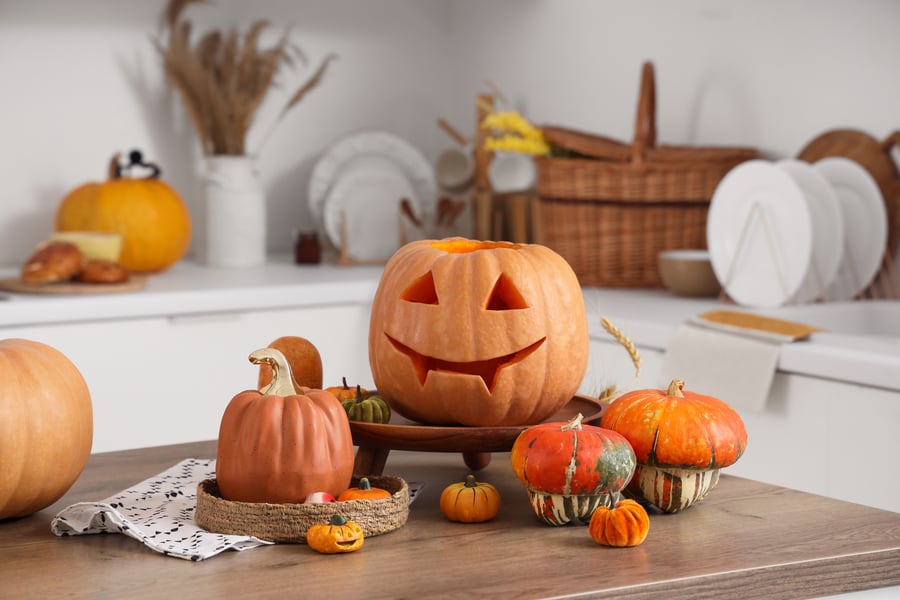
<point>149,214</point>
<point>46,426</point>
<point>477,333</point>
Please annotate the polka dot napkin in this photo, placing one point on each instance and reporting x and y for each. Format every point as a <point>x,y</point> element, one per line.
<point>158,512</point>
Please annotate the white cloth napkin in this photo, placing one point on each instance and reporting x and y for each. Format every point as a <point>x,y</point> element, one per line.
<point>734,366</point>
<point>158,512</point>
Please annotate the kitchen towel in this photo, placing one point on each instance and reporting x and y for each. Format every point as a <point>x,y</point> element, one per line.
<point>158,512</point>
<point>731,355</point>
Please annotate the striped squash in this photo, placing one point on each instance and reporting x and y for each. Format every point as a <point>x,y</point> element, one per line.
<point>681,441</point>
<point>569,469</point>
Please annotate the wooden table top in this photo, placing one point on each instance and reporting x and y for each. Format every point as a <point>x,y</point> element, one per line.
<point>745,540</point>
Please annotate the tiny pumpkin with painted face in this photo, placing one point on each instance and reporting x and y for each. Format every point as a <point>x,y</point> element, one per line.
<point>335,537</point>
<point>477,333</point>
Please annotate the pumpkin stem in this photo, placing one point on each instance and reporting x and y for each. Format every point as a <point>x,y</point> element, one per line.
<point>135,159</point>
<point>575,423</point>
<point>676,388</point>
<point>364,484</point>
<point>359,396</point>
<point>337,520</point>
<point>282,383</point>
<point>344,381</point>
<point>470,481</point>
<point>614,498</point>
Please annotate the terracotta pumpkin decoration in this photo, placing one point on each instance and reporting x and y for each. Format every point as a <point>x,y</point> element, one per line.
<point>367,408</point>
<point>46,426</point>
<point>279,446</point>
<point>569,469</point>
<point>149,214</point>
<point>681,440</point>
<point>477,333</point>
<point>337,536</point>
<point>304,359</point>
<point>625,524</point>
<point>470,501</point>
<point>364,491</point>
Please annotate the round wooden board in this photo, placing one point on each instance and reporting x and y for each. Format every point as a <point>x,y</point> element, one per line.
<point>402,434</point>
<point>14,284</point>
<point>872,155</point>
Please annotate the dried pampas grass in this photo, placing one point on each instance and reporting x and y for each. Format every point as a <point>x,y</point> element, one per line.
<point>224,77</point>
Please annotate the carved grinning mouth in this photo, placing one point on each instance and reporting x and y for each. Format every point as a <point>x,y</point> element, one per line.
<point>488,369</point>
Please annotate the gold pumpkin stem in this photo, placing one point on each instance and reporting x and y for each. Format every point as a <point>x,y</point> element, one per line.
<point>282,383</point>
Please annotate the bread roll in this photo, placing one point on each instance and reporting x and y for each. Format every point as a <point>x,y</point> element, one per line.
<point>101,270</point>
<point>57,261</point>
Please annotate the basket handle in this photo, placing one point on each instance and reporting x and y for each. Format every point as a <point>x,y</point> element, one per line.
<point>645,123</point>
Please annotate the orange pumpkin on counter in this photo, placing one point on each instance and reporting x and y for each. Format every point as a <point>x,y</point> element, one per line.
<point>625,524</point>
<point>149,214</point>
<point>46,426</point>
<point>279,446</point>
<point>477,333</point>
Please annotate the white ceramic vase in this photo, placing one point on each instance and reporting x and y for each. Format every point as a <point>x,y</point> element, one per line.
<point>235,206</point>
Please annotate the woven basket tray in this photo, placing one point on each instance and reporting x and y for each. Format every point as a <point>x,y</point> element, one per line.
<point>610,208</point>
<point>289,522</point>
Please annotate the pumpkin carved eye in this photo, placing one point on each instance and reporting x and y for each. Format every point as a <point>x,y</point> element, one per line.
<point>421,290</point>
<point>505,296</point>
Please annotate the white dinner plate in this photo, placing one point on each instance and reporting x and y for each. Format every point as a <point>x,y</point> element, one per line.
<point>865,225</point>
<point>827,228</point>
<point>372,148</point>
<point>367,198</point>
<point>759,234</point>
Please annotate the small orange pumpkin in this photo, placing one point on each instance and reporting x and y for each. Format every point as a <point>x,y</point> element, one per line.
<point>625,524</point>
<point>470,501</point>
<point>364,491</point>
<point>304,359</point>
<point>46,426</point>
<point>346,392</point>
<point>278,446</point>
<point>149,214</point>
<point>477,332</point>
<point>337,536</point>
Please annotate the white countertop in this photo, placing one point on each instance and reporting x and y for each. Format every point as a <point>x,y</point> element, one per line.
<point>648,317</point>
<point>190,288</point>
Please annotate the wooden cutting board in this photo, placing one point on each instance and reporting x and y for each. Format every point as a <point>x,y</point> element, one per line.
<point>874,156</point>
<point>14,284</point>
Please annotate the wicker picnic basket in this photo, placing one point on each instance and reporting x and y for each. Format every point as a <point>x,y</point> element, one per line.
<point>609,208</point>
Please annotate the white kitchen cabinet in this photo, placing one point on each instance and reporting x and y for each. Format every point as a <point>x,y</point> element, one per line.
<point>166,380</point>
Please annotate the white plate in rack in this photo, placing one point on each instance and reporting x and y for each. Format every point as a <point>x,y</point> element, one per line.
<point>366,201</point>
<point>827,228</point>
<point>374,149</point>
<point>865,225</point>
<point>759,234</point>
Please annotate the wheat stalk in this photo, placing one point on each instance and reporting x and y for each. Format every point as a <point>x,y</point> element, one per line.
<point>224,77</point>
<point>616,333</point>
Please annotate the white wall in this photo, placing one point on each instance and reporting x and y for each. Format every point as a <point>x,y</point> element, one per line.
<point>80,80</point>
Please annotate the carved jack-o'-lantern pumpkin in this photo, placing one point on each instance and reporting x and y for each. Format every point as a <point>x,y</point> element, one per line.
<point>477,333</point>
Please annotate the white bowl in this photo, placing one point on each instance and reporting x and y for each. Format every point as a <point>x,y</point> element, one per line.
<point>688,273</point>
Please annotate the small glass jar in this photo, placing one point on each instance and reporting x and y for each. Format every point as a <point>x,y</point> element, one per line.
<point>306,248</point>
